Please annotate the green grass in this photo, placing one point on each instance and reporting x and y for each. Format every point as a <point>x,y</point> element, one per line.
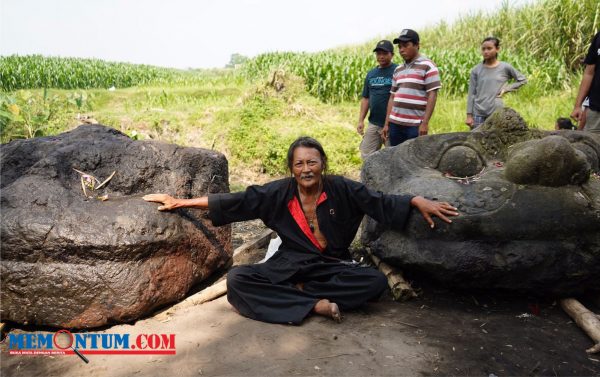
<point>253,124</point>
<point>538,111</point>
<point>247,116</point>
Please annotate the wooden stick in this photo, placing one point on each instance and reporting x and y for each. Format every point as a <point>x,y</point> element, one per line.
<point>208,294</point>
<point>257,243</point>
<point>106,180</point>
<point>408,324</point>
<point>331,356</point>
<point>585,319</point>
<point>400,288</point>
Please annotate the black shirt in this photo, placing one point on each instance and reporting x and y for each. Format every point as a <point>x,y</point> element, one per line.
<point>377,89</point>
<point>593,58</point>
<point>339,217</point>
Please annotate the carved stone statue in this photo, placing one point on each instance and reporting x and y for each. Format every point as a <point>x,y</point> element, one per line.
<point>529,203</point>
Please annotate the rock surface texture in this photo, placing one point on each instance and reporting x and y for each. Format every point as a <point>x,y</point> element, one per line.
<point>529,204</point>
<point>78,262</point>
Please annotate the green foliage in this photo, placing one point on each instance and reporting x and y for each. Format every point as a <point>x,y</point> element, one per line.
<point>36,71</point>
<point>81,100</point>
<point>330,76</point>
<point>253,141</point>
<point>27,114</point>
<point>545,40</point>
<point>271,119</point>
<point>252,114</point>
<point>252,124</point>
<point>559,30</point>
<point>236,60</point>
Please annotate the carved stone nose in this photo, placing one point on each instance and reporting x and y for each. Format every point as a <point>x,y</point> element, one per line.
<point>551,161</point>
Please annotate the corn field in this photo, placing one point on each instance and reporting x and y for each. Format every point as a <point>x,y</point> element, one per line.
<point>329,76</point>
<point>545,41</point>
<point>36,71</point>
<point>557,29</point>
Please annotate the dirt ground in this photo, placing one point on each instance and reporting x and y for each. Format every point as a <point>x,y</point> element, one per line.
<point>438,334</point>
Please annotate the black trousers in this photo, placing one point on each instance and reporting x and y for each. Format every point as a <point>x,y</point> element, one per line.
<point>256,297</point>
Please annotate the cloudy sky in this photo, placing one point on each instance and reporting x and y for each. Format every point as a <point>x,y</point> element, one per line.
<point>204,33</point>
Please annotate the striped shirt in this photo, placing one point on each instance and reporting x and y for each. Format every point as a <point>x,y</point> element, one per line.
<point>410,84</point>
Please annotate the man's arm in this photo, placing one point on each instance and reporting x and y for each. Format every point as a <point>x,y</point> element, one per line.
<point>386,125</point>
<point>394,210</point>
<point>584,89</point>
<point>519,78</point>
<point>169,203</point>
<point>364,109</point>
<point>471,97</point>
<point>431,100</point>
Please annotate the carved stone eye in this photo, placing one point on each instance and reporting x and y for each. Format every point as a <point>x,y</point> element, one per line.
<point>460,161</point>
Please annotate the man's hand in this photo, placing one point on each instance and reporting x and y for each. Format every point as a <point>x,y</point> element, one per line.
<point>469,122</point>
<point>361,128</point>
<point>385,132</point>
<point>167,201</point>
<point>423,128</point>
<point>576,114</point>
<point>430,208</point>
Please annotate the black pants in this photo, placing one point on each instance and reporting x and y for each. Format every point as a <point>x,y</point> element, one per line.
<point>256,297</point>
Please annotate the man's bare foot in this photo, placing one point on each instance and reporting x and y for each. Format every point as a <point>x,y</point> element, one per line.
<point>329,309</point>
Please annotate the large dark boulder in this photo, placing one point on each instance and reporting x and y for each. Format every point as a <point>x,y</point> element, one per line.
<point>74,261</point>
<point>529,204</point>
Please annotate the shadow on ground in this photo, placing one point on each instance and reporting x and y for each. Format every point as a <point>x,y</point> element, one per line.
<point>441,333</point>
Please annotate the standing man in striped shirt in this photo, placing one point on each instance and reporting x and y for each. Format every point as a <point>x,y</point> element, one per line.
<point>414,92</point>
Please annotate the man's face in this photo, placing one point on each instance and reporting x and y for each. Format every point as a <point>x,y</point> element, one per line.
<point>408,50</point>
<point>384,58</point>
<point>489,50</point>
<point>307,167</point>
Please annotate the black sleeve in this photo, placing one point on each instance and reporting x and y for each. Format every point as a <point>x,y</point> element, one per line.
<point>592,55</point>
<point>227,208</point>
<point>387,209</point>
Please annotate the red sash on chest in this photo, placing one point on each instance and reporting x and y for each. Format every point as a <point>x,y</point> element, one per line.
<point>296,211</point>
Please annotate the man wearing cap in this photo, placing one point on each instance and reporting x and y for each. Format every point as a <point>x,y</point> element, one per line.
<point>375,96</point>
<point>414,92</point>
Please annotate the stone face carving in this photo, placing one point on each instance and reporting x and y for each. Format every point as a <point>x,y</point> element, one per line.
<point>529,203</point>
<point>78,262</point>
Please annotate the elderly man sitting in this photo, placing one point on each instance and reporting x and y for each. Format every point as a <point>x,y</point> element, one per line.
<point>316,216</point>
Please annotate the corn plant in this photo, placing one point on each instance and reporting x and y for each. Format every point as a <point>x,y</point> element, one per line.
<point>36,71</point>
<point>545,40</point>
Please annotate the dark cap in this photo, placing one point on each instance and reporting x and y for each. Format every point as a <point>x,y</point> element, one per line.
<point>407,35</point>
<point>384,45</point>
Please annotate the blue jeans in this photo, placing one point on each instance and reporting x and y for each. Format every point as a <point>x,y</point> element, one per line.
<point>477,121</point>
<point>399,134</point>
